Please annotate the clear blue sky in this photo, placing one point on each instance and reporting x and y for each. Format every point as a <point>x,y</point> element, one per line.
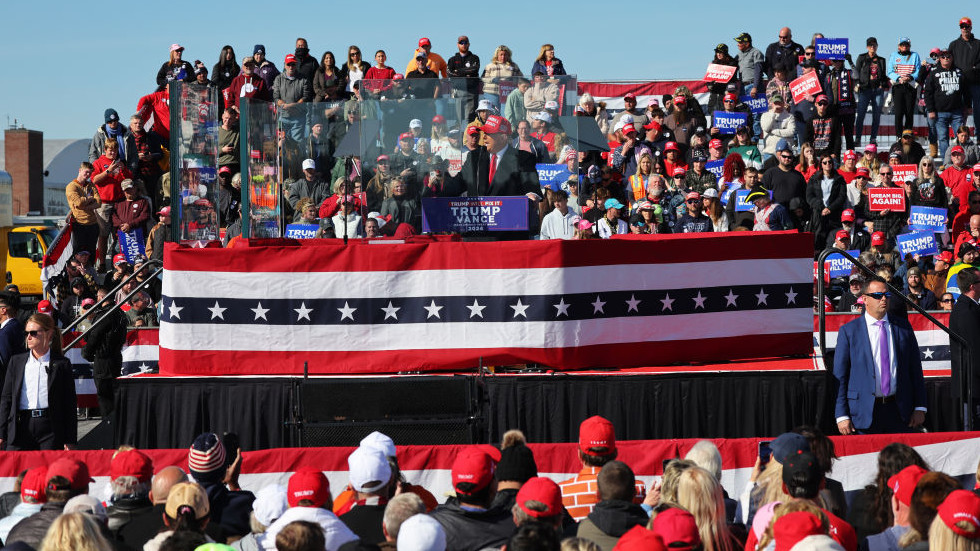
<point>67,61</point>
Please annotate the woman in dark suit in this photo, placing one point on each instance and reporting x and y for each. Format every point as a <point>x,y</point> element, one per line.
<point>826,193</point>
<point>30,417</point>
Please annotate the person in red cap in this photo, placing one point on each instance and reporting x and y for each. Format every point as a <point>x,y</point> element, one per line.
<point>693,220</point>
<point>32,497</point>
<point>824,129</point>
<point>468,520</point>
<point>859,239</point>
<point>957,523</point>
<point>730,104</point>
<point>433,61</point>
<point>288,91</point>
<point>676,526</point>
<point>963,139</point>
<point>935,278</point>
<point>890,222</point>
<point>130,472</point>
<point>539,500</point>
<point>902,486</point>
<point>639,538</point>
<point>498,170</point>
<point>673,160</point>
<point>596,447</point>
<point>680,122</point>
<point>638,116</point>
<point>848,165</point>
<point>959,177</point>
<point>66,478</point>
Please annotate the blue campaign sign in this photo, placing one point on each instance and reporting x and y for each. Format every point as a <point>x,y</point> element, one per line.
<point>301,231</point>
<point>726,122</point>
<point>922,243</point>
<point>757,105</point>
<point>837,266</point>
<point>468,214</point>
<point>132,244</point>
<point>830,48</point>
<point>927,219</point>
<point>715,167</point>
<point>552,176</point>
<point>740,204</point>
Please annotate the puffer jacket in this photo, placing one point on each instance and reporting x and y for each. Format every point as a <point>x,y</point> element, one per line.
<point>32,529</point>
<point>473,530</point>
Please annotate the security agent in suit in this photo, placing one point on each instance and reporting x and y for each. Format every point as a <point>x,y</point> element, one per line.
<point>499,170</point>
<point>870,398</point>
<point>964,320</point>
<point>11,333</point>
<point>37,403</point>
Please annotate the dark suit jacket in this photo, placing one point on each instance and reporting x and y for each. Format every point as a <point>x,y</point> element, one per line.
<point>61,399</point>
<point>964,320</point>
<point>854,369</point>
<point>11,341</point>
<point>515,175</point>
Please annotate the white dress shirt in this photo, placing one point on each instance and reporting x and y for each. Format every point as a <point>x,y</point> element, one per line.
<point>34,391</point>
<point>873,334</point>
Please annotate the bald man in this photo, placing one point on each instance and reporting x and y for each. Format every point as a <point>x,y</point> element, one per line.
<point>143,527</point>
<point>783,53</point>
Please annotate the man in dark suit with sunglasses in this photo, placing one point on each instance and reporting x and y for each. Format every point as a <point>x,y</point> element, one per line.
<point>878,368</point>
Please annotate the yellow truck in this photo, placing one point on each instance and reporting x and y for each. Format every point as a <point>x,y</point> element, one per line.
<point>25,239</point>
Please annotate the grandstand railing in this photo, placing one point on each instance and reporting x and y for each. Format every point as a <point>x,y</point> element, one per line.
<point>964,384</point>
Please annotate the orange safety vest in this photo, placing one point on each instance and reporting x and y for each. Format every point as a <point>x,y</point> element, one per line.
<point>638,186</point>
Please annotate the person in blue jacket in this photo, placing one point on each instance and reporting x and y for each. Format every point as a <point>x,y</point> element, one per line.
<point>903,69</point>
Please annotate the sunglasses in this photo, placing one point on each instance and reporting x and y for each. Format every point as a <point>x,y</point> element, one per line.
<point>885,173</point>
<point>463,42</point>
<point>965,26</point>
<point>878,296</point>
<point>785,156</point>
<point>826,162</point>
<point>808,54</point>
<point>33,334</point>
<point>692,201</point>
<point>946,300</point>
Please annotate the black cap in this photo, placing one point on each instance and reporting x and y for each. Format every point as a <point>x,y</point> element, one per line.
<point>700,131</point>
<point>872,41</point>
<point>78,282</point>
<point>744,37</point>
<point>721,48</point>
<point>802,475</point>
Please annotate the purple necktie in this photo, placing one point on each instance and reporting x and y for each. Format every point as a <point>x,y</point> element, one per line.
<point>886,364</point>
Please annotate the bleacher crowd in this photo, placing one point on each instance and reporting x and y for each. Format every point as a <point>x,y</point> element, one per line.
<point>805,163</point>
<point>497,501</point>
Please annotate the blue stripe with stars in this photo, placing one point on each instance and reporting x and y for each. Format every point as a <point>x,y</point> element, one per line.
<point>441,309</point>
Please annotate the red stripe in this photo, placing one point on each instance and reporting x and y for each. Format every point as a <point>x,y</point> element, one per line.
<point>235,362</point>
<point>328,255</point>
<point>645,457</point>
<point>652,88</point>
<point>61,242</point>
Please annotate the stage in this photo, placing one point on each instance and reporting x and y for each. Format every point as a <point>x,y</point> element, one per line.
<point>168,412</point>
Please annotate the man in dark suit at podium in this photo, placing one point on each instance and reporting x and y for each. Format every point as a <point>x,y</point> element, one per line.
<point>497,170</point>
<point>964,320</point>
<point>11,333</point>
<point>879,370</point>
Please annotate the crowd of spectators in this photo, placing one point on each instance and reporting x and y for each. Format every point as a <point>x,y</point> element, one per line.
<point>805,164</point>
<point>498,500</point>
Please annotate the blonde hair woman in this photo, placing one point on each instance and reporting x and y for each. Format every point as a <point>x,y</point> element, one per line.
<point>74,532</point>
<point>700,493</point>
<point>500,68</point>
<point>956,527</point>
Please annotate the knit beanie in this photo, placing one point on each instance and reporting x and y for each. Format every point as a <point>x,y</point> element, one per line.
<point>207,458</point>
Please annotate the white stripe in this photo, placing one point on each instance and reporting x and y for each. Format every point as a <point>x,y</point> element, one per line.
<point>925,338</point>
<point>532,334</point>
<point>141,353</point>
<point>462,282</point>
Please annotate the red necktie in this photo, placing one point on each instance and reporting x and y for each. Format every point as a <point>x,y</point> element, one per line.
<point>493,169</point>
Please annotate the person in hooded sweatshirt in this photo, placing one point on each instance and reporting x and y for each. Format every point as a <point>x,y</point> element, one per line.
<point>615,513</point>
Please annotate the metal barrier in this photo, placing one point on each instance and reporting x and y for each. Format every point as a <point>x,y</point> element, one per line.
<point>108,297</point>
<point>966,403</point>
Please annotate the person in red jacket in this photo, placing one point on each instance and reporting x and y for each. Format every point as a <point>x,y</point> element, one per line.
<point>246,85</point>
<point>108,173</point>
<point>156,104</point>
<point>958,177</point>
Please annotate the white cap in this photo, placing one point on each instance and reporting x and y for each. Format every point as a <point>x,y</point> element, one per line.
<point>377,440</point>
<point>381,222</point>
<point>421,533</point>
<point>710,192</point>
<point>551,105</point>
<point>484,105</point>
<point>270,504</point>
<point>416,123</point>
<point>543,116</point>
<point>368,465</point>
<point>87,504</point>
<point>619,125</point>
<point>819,542</point>
<point>309,164</point>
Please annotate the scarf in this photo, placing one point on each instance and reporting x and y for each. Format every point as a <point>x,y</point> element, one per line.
<point>117,134</point>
